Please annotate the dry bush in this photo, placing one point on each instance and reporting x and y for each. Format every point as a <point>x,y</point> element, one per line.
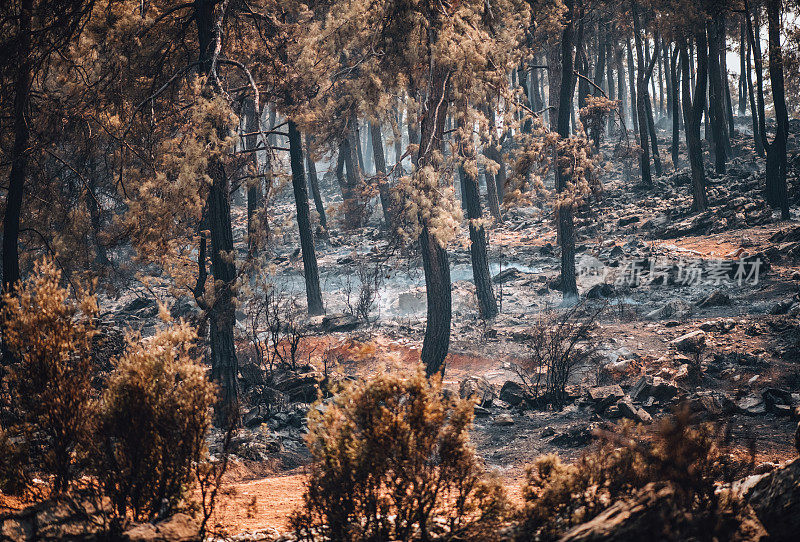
<point>594,116</point>
<point>154,418</point>
<point>392,461</point>
<point>688,458</point>
<point>49,336</point>
<point>559,344</point>
<point>370,279</point>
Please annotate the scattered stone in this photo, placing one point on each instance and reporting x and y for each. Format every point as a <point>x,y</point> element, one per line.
<point>51,520</point>
<point>628,410</point>
<point>178,528</point>
<point>604,396</point>
<point>339,322</point>
<point>481,412</point>
<point>717,298</point>
<point>776,501</point>
<point>476,387</point>
<point>777,401</point>
<point>765,467</point>
<point>504,419</point>
<point>574,437</point>
<point>675,308</point>
<point>751,405</point>
<point>599,291</point>
<point>512,393</point>
<point>656,388</point>
<point>549,432</point>
<point>692,343</point>
<point>256,416</point>
<point>640,516</point>
<point>302,387</point>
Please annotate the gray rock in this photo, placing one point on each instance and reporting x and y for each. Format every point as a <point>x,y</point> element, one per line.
<point>512,393</point>
<point>692,343</point>
<point>776,501</point>
<point>605,396</point>
<point>717,298</point>
<point>340,322</point>
<point>504,418</point>
<point>178,528</point>
<point>751,405</point>
<point>574,437</point>
<point>628,410</point>
<point>676,308</point>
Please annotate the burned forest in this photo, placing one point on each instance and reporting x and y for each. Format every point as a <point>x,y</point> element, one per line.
<point>400,270</point>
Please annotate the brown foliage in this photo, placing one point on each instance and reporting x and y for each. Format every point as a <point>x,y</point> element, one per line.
<point>688,458</point>
<point>392,461</point>
<point>153,423</point>
<point>49,336</point>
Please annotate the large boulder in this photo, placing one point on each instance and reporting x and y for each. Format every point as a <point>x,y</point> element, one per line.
<point>654,513</point>
<point>178,528</point>
<point>56,519</point>
<point>691,343</point>
<point>604,396</point>
<point>662,391</point>
<point>776,501</point>
<point>512,393</point>
<point>478,388</point>
<point>339,322</point>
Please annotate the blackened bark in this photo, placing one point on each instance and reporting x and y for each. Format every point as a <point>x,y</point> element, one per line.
<point>641,103</point>
<point>674,107</point>
<point>776,151</point>
<point>380,171</point>
<point>254,185</point>
<point>310,271</point>
<point>692,112</point>
<point>477,233</point>
<point>492,196</point>
<point>634,108</point>
<point>651,128</point>
<point>742,68</point>
<point>565,220</point>
<point>313,183</point>
<point>756,100</point>
<point>716,97</point>
<point>222,316</point>
<point>435,261</point>
<point>758,141</point>
<point>19,158</point>
<point>352,208</point>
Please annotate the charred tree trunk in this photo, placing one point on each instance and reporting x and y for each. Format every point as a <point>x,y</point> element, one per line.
<point>221,314</point>
<point>565,220</point>
<point>692,112</point>
<point>757,140</point>
<point>19,158</point>
<point>641,102</point>
<point>313,183</point>
<point>487,303</point>
<point>380,171</point>
<point>742,69</point>
<point>353,212</point>
<point>435,261</point>
<point>716,97</point>
<point>634,107</point>
<point>757,98</point>
<point>776,192</point>
<point>310,271</point>
<point>253,185</point>
<point>675,109</point>
<point>621,90</point>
